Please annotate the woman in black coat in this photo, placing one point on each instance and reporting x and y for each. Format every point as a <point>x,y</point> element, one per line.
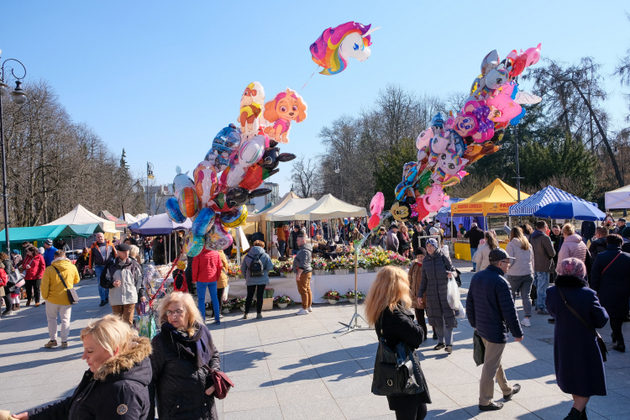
<point>610,278</point>
<point>436,270</point>
<point>116,384</point>
<point>387,307</point>
<point>577,358</point>
<point>183,357</point>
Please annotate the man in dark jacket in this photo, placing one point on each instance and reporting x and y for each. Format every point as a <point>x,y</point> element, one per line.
<point>474,236</point>
<point>543,264</point>
<point>490,309</point>
<point>392,242</point>
<point>610,278</point>
<point>303,271</point>
<point>101,252</point>
<point>598,244</point>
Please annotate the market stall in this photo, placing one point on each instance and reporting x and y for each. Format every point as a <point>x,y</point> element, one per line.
<point>82,216</point>
<point>618,199</point>
<point>540,199</point>
<point>330,207</point>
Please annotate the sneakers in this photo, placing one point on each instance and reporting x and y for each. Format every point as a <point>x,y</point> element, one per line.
<point>526,322</point>
<point>439,346</point>
<point>491,407</point>
<point>448,349</point>
<point>515,389</point>
<point>310,309</point>
<point>51,344</point>
<point>64,344</point>
<point>302,312</point>
<point>258,316</point>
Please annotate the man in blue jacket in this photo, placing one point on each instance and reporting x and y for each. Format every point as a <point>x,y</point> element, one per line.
<point>490,310</point>
<point>49,253</point>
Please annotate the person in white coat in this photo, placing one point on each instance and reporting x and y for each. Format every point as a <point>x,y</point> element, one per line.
<point>481,257</point>
<point>521,272</point>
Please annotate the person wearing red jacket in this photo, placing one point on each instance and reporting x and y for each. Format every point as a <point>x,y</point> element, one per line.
<point>34,267</point>
<point>206,269</point>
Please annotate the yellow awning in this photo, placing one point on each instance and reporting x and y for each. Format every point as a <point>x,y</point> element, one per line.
<point>496,198</point>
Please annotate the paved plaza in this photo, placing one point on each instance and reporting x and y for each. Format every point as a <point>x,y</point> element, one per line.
<point>290,367</point>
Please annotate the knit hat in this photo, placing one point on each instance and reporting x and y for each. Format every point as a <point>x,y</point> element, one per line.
<point>432,241</point>
<point>572,267</point>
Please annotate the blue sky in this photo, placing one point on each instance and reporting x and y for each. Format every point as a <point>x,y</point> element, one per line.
<point>161,78</point>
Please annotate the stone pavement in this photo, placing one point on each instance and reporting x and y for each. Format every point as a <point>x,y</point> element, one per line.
<point>290,367</point>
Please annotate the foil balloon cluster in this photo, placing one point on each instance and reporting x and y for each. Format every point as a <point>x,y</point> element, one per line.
<point>448,146</point>
<point>234,168</point>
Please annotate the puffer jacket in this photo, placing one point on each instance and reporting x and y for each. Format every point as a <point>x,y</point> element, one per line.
<point>543,252</point>
<point>435,270</point>
<point>206,266</point>
<point>130,275</point>
<point>37,265</point>
<point>524,263</point>
<point>52,288</point>
<point>256,252</point>
<point>181,366</point>
<point>118,390</point>
<point>572,247</point>
<point>223,278</point>
<point>490,308</point>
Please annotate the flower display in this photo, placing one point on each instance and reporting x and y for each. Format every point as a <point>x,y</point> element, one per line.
<point>282,299</point>
<point>332,295</point>
<point>350,295</point>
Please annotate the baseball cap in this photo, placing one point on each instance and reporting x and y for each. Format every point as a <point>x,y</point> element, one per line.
<point>499,254</point>
<point>123,247</point>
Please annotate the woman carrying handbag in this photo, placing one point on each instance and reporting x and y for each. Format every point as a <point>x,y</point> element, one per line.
<point>397,371</point>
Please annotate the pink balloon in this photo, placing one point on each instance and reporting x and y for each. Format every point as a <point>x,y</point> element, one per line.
<point>533,55</point>
<point>377,204</point>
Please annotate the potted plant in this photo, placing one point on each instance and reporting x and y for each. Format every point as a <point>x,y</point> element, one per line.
<point>238,302</point>
<point>320,266</point>
<point>227,307</point>
<point>332,296</point>
<point>282,301</point>
<point>352,297</point>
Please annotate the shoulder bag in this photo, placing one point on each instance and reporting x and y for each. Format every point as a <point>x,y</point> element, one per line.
<point>395,369</point>
<point>73,297</point>
<point>600,340</point>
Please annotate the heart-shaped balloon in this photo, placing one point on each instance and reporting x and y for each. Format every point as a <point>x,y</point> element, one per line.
<point>374,221</point>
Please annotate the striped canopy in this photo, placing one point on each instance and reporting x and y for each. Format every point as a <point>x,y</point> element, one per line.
<point>535,202</point>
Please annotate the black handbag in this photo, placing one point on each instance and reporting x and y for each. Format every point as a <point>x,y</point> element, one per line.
<point>600,341</point>
<point>73,296</point>
<point>396,370</point>
<point>479,349</point>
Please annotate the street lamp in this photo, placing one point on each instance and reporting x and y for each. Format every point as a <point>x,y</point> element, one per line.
<point>19,97</point>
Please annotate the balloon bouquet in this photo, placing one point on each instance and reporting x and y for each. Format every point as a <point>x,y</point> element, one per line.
<point>447,147</point>
<point>238,162</point>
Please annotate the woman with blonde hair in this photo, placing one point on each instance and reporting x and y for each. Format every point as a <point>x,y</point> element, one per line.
<point>520,275</point>
<point>572,245</point>
<point>116,383</point>
<point>387,307</point>
<point>482,256</point>
<point>182,360</point>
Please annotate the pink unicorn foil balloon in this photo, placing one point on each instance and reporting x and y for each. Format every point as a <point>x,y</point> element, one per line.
<point>335,45</point>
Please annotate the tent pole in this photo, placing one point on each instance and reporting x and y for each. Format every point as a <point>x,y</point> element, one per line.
<point>238,246</point>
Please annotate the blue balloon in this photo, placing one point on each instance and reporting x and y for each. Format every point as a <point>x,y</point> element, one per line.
<point>225,142</point>
<point>203,221</point>
<point>173,211</point>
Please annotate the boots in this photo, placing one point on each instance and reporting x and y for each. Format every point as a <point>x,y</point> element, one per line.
<point>575,414</point>
<point>28,302</point>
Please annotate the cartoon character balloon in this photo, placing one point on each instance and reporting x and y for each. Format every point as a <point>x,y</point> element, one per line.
<point>251,107</point>
<point>287,106</point>
<point>336,45</point>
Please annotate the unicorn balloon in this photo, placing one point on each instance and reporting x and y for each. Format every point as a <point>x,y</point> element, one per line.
<point>333,48</point>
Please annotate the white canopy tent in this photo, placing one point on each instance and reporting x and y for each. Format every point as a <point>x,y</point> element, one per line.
<point>330,207</point>
<point>618,199</point>
<point>291,210</point>
<point>82,216</point>
<point>262,216</point>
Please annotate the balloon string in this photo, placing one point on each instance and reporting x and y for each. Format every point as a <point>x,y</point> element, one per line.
<point>309,79</point>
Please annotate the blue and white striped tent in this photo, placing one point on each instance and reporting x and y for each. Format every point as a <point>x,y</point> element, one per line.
<point>549,194</point>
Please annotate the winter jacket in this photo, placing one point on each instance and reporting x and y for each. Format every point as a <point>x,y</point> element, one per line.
<point>434,283</point>
<point>396,326</point>
<point>52,288</point>
<point>572,247</point>
<point>524,263</point>
<point>597,245</point>
<point>207,267</point>
<point>96,258</point>
<point>490,308</point>
<point>482,257</point>
<point>253,253</point>
<point>49,255</point>
<point>474,235</point>
<point>130,275</point>
<point>179,281</point>
<point>543,252</point>
<point>303,259</point>
<point>391,241</point>
<point>181,366</point>
<point>118,390</point>
<point>577,359</point>
<point>415,278</point>
<point>612,287</point>
<point>223,278</point>
<point>37,267</point>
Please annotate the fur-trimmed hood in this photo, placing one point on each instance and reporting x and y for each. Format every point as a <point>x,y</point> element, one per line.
<point>129,364</point>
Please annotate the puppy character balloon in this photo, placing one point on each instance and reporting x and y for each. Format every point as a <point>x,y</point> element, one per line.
<point>251,107</point>
<point>287,106</point>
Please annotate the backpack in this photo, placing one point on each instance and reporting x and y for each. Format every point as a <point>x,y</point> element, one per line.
<point>256,268</point>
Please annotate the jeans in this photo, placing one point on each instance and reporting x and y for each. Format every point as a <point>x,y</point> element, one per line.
<point>541,281</point>
<point>148,255</point>
<point>473,251</point>
<point>32,289</point>
<point>260,292</point>
<point>64,312</point>
<point>103,292</point>
<point>201,299</point>
<point>445,334</point>
<point>522,284</point>
<point>282,247</point>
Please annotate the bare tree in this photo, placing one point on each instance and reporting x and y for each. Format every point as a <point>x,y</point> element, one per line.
<point>306,177</point>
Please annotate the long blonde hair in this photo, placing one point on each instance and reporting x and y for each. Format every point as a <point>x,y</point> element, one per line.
<point>491,240</point>
<point>186,300</point>
<point>111,333</point>
<point>517,233</point>
<point>390,288</point>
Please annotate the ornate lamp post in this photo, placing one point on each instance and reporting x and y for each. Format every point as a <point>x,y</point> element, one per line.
<point>19,97</point>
